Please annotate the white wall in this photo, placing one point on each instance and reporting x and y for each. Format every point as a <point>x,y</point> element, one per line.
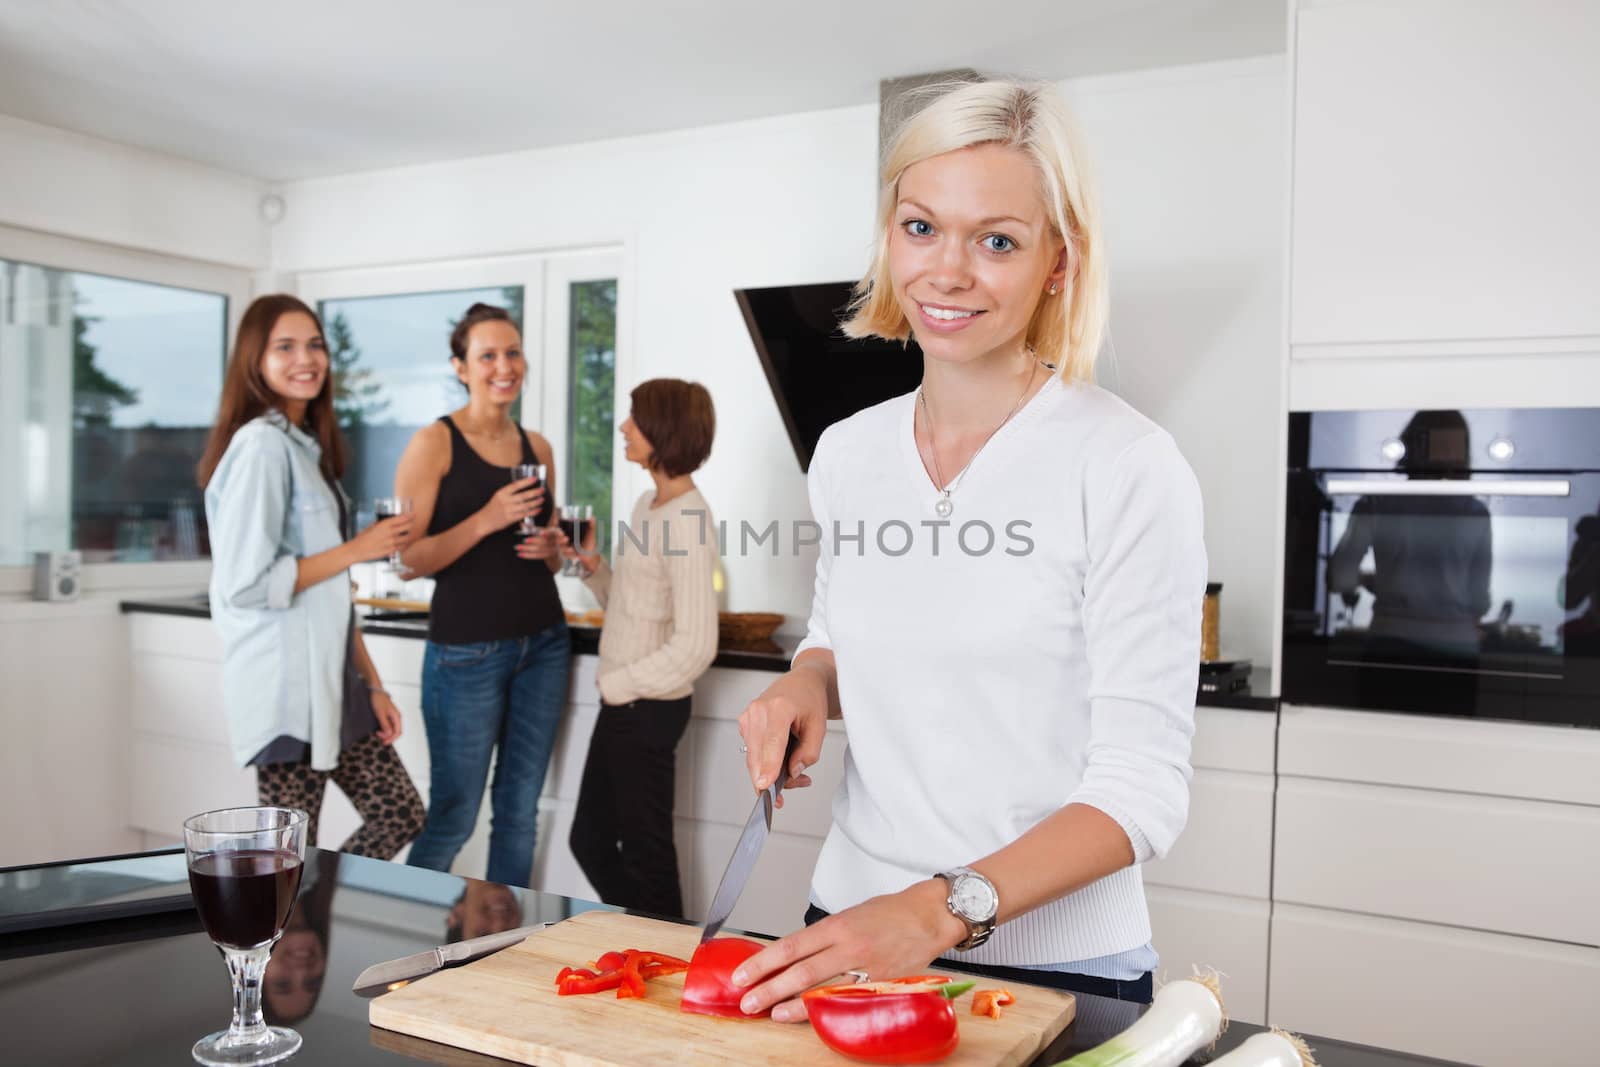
<point>1193,165</point>
<point>65,183</point>
<point>1193,160</point>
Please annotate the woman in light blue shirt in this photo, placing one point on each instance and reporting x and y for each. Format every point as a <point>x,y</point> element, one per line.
<point>303,698</point>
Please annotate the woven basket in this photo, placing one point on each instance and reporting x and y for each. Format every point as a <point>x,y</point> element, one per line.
<point>746,628</point>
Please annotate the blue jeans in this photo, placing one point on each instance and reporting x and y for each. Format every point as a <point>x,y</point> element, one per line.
<point>476,698</point>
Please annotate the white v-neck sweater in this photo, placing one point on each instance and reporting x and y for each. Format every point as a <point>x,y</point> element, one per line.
<point>1038,648</point>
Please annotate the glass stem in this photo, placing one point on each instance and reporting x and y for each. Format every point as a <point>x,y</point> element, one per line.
<point>247,967</point>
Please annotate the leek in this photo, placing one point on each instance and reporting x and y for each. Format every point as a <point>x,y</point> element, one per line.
<point>1185,1017</point>
<point>1276,1048</point>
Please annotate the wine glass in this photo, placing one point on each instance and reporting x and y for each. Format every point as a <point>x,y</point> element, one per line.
<point>577,522</point>
<point>521,472</point>
<point>387,507</point>
<point>244,872</point>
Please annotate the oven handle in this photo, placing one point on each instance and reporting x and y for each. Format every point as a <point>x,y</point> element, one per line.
<point>1448,487</point>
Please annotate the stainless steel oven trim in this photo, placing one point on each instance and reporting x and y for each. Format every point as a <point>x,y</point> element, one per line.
<point>1542,487</point>
<point>1368,665</point>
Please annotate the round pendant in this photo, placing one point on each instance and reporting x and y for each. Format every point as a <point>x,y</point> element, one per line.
<point>943,507</point>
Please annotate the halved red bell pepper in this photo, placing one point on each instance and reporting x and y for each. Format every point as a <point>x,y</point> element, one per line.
<point>907,1020</point>
<point>708,988</point>
<point>990,1001</point>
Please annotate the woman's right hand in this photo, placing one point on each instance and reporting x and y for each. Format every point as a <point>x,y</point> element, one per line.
<point>383,538</point>
<point>512,503</point>
<point>797,703</point>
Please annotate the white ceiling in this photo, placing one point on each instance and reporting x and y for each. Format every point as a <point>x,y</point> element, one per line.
<point>301,88</point>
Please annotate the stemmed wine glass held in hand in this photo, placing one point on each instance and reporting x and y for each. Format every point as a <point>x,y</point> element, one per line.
<point>388,507</point>
<point>522,472</point>
<point>577,523</point>
<point>244,872</point>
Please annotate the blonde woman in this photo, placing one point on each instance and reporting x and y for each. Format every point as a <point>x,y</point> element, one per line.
<point>1012,643</point>
<point>660,635</point>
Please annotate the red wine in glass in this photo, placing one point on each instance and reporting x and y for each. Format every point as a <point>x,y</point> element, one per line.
<point>244,897</point>
<point>244,872</point>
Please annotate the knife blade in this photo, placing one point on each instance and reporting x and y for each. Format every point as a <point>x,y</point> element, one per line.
<point>381,977</point>
<point>745,854</point>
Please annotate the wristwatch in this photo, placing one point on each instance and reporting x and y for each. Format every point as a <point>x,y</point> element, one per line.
<point>974,901</point>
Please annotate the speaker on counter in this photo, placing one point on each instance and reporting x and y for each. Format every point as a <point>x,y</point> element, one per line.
<point>55,575</point>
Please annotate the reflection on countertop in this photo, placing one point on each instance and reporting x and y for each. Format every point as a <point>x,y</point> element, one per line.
<point>771,656</point>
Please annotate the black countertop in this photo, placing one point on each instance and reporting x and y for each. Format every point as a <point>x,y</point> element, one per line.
<point>586,641</point>
<point>140,987</point>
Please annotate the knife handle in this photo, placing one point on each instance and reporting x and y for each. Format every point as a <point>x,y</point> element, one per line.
<point>783,770</point>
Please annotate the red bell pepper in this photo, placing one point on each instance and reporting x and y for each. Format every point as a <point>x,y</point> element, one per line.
<point>578,980</point>
<point>907,1020</point>
<point>990,1001</point>
<point>708,988</point>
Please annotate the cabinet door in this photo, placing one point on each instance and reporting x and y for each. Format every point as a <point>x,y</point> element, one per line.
<point>1444,169</point>
<point>1190,929</point>
<point>1456,994</point>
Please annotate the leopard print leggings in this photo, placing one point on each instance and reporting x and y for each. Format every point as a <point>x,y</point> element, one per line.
<point>371,775</point>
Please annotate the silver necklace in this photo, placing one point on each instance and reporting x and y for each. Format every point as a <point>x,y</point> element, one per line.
<point>944,506</point>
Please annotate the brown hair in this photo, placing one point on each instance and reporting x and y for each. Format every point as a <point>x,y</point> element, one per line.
<point>476,314</point>
<point>245,394</point>
<point>678,420</point>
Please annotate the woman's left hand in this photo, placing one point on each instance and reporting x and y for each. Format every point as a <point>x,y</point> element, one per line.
<point>544,545</point>
<point>389,719</point>
<point>887,937</point>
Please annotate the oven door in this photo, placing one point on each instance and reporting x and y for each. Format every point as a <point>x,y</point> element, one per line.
<point>1470,596</point>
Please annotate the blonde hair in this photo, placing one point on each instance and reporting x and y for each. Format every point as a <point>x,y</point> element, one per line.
<point>1033,119</point>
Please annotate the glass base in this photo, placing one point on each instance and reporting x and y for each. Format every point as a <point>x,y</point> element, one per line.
<point>274,1044</point>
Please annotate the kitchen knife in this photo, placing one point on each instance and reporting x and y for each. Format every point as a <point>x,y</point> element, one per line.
<point>748,850</point>
<point>381,977</point>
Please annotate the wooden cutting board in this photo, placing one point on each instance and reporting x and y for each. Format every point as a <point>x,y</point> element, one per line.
<point>506,1005</point>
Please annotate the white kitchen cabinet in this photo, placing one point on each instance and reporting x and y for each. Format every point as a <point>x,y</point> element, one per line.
<point>1529,760</point>
<point>1443,177</point>
<point>1456,994</point>
<point>1227,845</point>
<point>1490,863</point>
<point>1192,929</point>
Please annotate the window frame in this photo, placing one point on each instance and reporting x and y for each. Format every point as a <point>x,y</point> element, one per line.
<point>235,284</point>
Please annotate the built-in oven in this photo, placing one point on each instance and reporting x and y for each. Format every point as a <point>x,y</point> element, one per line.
<point>1445,563</point>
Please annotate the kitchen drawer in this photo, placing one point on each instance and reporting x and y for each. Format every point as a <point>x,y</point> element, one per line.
<point>719,789</point>
<point>1192,929</point>
<point>1226,847</point>
<point>1530,760</point>
<point>1463,995</point>
<point>1490,863</point>
<point>398,659</point>
<point>174,635</point>
<point>775,900</point>
<point>1230,739</point>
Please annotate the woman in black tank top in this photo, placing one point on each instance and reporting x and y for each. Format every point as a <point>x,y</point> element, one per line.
<point>494,674</point>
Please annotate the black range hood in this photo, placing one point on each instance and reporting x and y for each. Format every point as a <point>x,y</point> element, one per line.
<point>817,374</point>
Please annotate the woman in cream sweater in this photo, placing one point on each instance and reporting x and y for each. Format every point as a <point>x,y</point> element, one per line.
<point>660,635</point>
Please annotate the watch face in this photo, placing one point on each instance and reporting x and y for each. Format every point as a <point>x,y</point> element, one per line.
<point>975,899</point>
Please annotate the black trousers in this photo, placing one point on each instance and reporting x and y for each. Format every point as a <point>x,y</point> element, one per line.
<point>622,829</point>
<point>1138,990</point>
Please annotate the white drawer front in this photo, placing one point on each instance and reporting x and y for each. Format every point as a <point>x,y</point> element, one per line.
<point>1232,739</point>
<point>1504,759</point>
<point>1490,863</point>
<point>1226,847</point>
<point>1207,930</point>
<point>1461,995</point>
<point>174,635</point>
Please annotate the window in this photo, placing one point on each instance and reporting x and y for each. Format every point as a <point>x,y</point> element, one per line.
<point>388,338</point>
<point>108,386</point>
<point>390,358</point>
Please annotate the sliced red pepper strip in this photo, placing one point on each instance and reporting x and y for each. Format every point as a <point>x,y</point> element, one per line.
<point>631,982</point>
<point>610,961</point>
<point>586,981</point>
<point>990,1001</point>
